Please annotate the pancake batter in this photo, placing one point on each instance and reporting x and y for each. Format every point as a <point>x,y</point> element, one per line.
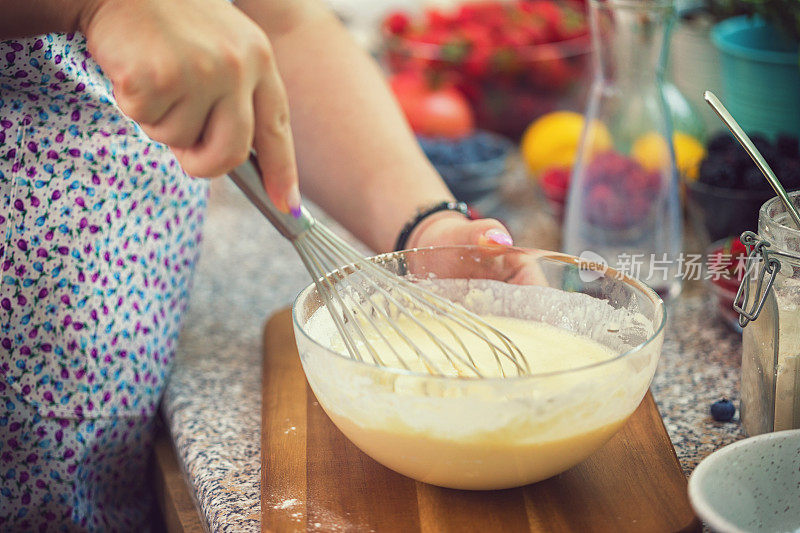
<point>547,348</point>
<point>491,433</point>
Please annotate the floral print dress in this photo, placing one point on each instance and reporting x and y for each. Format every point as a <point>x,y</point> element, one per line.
<point>99,233</point>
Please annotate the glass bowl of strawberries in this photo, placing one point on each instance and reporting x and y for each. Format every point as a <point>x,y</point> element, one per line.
<point>514,60</point>
<point>726,264</point>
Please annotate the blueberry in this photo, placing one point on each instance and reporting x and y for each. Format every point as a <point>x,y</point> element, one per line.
<point>477,148</point>
<point>462,153</point>
<point>484,147</point>
<point>723,410</point>
<point>438,155</point>
<point>495,147</point>
<point>439,151</point>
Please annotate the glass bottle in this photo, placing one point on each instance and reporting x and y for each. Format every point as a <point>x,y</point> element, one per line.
<point>623,203</point>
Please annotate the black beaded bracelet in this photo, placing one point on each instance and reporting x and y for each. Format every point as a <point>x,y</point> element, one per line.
<point>424,213</point>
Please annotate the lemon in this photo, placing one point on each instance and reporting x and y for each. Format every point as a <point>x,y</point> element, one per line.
<point>552,140</point>
<point>650,151</point>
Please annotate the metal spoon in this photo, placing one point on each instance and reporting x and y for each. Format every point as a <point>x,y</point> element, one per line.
<point>751,149</point>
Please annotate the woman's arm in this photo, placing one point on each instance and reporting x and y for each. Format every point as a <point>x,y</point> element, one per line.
<point>23,18</point>
<point>356,154</point>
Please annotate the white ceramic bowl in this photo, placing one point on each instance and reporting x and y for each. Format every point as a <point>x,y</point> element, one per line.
<point>751,485</point>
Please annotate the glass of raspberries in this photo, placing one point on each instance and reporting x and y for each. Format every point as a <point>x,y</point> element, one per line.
<point>620,191</point>
<point>515,60</point>
<point>730,189</point>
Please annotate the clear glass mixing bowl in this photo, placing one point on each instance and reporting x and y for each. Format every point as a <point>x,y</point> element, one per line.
<point>471,433</point>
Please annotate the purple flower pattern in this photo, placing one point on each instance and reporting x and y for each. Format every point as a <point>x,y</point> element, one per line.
<point>99,233</point>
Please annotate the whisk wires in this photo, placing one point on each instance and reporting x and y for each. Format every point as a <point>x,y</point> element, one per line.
<point>365,300</point>
<point>368,303</point>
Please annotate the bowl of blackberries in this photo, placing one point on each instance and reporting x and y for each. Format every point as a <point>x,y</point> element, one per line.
<point>471,166</point>
<point>730,189</point>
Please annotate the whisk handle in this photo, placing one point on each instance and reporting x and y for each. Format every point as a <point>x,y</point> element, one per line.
<point>247,177</point>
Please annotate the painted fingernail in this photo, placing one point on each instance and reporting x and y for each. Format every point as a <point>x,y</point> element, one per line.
<point>293,201</point>
<point>499,237</point>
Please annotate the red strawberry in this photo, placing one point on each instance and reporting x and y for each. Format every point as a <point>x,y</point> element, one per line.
<point>437,19</point>
<point>495,19</point>
<point>537,31</point>
<point>478,61</point>
<point>515,38</point>
<point>491,8</point>
<point>434,36</point>
<point>549,11</point>
<point>467,13</point>
<point>397,23</point>
<point>476,34</point>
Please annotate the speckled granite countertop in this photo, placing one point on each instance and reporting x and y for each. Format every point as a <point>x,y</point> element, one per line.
<point>247,271</point>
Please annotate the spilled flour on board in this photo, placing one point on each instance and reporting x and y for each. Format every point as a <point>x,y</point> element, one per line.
<point>319,519</point>
<point>286,504</point>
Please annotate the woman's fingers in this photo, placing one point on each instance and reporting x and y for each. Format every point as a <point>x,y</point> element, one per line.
<point>189,72</point>
<point>489,232</point>
<point>274,144</point>
<point>226,139</point>
<point>518,268</point>
<point>183,124</point>
<point>451,228</point>
<point>527,269</point>
<point>144,110</point>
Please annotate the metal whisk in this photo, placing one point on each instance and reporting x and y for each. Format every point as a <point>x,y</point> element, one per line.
<point>365,300</point>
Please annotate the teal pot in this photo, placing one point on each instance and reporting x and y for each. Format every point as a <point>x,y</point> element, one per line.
<point>760,75</point>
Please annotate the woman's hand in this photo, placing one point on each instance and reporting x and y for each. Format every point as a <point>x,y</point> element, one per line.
<point>200,77</point>
<point>448,227</point>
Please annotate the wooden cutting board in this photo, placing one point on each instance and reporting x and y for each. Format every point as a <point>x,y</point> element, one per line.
<point>314,479</point>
